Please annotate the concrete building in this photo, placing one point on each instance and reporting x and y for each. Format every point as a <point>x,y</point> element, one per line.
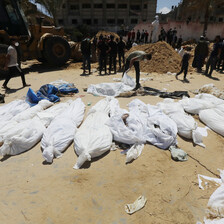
<point>188,13</point>
<point>106,14</point>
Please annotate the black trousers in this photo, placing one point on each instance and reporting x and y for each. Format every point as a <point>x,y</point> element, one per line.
<point>13,71</point>
<point>113,60</point>
<point>137,69</point>
<point>220,63</point>
<point>184,69</point>
<point>86,60</point>
<point>211,63</point>
<point>121,56</point>
<point>103,63</point>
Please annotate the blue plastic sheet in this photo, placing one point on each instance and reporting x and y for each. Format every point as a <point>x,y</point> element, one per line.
<point>49,92</point>
<point>67,88</point>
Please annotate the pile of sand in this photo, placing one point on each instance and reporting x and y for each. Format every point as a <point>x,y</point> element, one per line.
<point>164,58</point>
<point>106,33</point>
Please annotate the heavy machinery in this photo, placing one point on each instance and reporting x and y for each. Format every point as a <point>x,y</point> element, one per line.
<point>45,43</point>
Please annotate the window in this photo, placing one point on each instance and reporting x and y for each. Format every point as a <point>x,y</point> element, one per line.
<point>86,6</point>
<point>111,21</point>
<point>98,6</point>
<point>120,21</point>
<point>74,7</point>
<point>87,21</point>
<point>135,7</point>
<point>64,6</point>
<point>122,6</point>
<point>74,21</point>
<point>134,21</point>
<point>95,21</point>
<point>60,21</point>
<point>145,6</point>
<point>110,6</point>
<point>220,19</point>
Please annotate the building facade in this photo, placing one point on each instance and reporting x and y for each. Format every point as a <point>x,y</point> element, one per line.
<point>187,12</point>
<point>106,14</point>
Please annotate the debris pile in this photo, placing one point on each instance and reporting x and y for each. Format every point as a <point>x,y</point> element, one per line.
<point>164,58</point>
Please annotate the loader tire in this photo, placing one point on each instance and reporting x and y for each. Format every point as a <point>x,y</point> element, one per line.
<point>56,51</point>
<point>3,52</point>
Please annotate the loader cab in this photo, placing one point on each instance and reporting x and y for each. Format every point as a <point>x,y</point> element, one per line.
<point>12,19</point>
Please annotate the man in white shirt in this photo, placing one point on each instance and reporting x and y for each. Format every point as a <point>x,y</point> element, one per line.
<point>12,65</point>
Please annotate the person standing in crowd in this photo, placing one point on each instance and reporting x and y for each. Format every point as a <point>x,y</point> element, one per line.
<point>169,36</point>
<point>179,42</point>
<point>133,59</point>
<point>133,35</point>
<point>215,54</point>
<point>185,64</point>
<point>94,49</point>
<point>163,34</point>
<point>121,49</point>
<point>221,59</point>
<point>174,37</point>
<point>86,54</point>
<point>142,36</point>
<point>146,36</point>
<point>12,64</point>
<point>138,37</point>
<point>200,53</point>
<point>129,35</point>
<point>103,51</point>
<point>112,54</point>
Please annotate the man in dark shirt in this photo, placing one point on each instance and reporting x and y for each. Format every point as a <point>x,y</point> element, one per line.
<point>129,36</point>
<point>214,56</point>
<point>221,59</point>
<point>86,52</point>
<point>200,53</point>
<point>133,35</point>
<point>146,36</point>
<point>179,42</point>
<point>113,54</point>
<point>142,36</point>
<point>103,51</point>
<point>163,34</point>
<point>185,64</point>
<point>121,49</point>
<point>138,36</point>
<point>169,36</point>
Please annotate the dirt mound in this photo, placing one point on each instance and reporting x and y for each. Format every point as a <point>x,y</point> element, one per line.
<point>106,33</point>
<point>164,58</point>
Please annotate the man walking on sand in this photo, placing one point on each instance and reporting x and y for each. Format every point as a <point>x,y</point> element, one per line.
<point>12,64</point>
<point>185,64</point>
<point>133,59</point>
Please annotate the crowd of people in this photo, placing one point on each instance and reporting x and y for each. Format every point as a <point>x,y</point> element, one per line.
<point>215,59</point>
<point>109,49</point>
<point>143,37</point>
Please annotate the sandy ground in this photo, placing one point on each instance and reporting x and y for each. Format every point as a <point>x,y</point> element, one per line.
<point>32,192</point>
